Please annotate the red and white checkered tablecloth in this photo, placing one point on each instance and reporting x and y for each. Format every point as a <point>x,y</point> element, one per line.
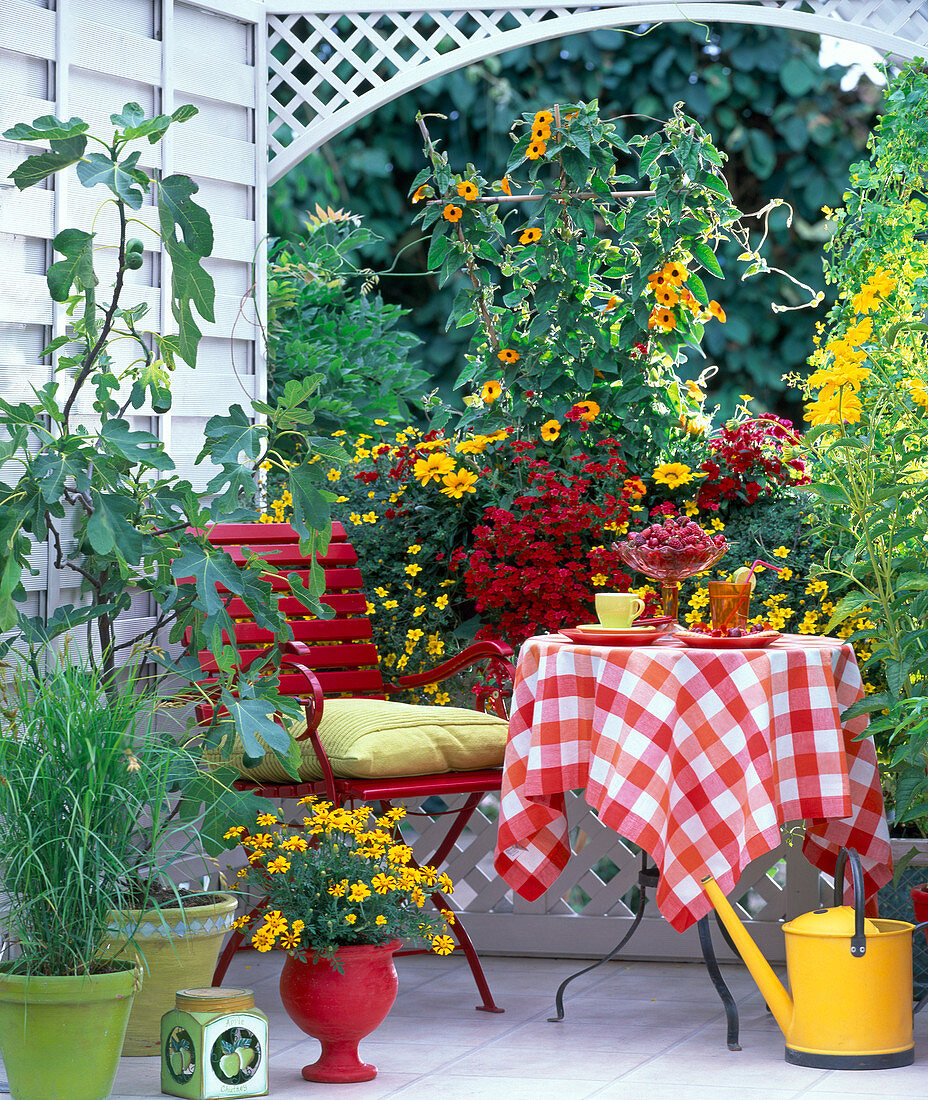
<point>696,755</point>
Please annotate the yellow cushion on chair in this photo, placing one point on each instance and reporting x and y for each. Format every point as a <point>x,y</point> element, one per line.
<point>374,739</point>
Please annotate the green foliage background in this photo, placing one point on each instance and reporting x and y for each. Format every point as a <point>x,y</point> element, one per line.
<point>788,128</point>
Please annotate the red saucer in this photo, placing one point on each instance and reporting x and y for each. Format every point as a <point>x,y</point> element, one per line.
<point>592,634</point>
<point>748,641</point>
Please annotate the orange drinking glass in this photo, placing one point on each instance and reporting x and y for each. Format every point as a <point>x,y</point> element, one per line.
<point>729,604</point>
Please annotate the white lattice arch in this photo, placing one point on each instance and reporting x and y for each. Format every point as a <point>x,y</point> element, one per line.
<point>329,68</point>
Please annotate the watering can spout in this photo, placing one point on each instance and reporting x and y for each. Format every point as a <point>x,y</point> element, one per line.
<point>778,1000</point>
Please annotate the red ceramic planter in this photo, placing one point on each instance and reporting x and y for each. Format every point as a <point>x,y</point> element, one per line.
<point>340,1009</point>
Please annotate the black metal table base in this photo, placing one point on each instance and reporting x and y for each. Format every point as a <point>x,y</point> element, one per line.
<point>648,877</point>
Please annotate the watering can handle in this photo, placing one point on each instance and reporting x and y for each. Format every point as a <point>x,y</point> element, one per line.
<point>859,939</point>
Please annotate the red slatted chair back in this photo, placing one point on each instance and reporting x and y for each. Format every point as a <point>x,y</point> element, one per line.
<point>344,657</point>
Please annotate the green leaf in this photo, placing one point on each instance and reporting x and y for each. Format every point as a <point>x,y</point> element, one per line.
<point>229,436</point>
<point>110,528</point>
<point>254,718</point>
<point>207,568</point>
<point>704,254</point>
<point>76,268</point>
<point>190,280</point>
<point>177,209</point>
<point>139,448</point>
<point>184,112</point>
<point>132,114</point>
<point>47,128</point>
<point>846,607</point>
<point>797,78</point>
<point>64,151</point>
<point>119,177</point>
<point>64,620</point>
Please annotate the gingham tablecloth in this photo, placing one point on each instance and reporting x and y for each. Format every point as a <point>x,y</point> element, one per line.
<point>696,755</point>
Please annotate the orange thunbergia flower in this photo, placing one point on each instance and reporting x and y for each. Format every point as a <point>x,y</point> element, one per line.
<point>506,186</point>
<point>666,295</point>
<point>716,311</point>
<point>687,298</point>
<point>529,236</point>
<point>656,279</point>
<point>675,272</point>
<point>550,430</point>
<point>540,133</point>
<point>535,150</point>
<point>452,213</point>
<point>544,118</point>
<point>421,193</point>
<point>507,355</point>
<point>490,392</point>
<point>662,318</point>
<point>588,410</point>
<point>610,305</point>
<point>467,190</point>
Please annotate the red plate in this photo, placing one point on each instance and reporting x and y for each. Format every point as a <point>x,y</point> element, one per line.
<point>601,636</point>
<point>748,641</point>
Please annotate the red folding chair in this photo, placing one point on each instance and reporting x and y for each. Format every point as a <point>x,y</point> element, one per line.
<point>337,658</point>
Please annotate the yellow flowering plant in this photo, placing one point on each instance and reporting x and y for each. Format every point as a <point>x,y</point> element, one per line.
<point>868,405</point>
<point>344,877</point>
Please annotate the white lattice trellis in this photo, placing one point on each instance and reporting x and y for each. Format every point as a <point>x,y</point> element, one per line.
<point>329,67</point>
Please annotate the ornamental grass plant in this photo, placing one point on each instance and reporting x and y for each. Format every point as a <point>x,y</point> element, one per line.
<point>344,878</point>
<point>85,822</point>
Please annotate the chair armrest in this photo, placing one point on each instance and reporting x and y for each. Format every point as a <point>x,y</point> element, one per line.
<point>497,653</point>
<point>294,655</point>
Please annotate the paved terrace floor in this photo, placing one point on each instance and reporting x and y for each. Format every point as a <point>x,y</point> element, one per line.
<point>635,1031</point>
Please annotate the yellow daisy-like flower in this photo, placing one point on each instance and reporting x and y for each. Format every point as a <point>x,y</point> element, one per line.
<point>399,853</point>
<point>598,580</point>
<point>242,873</point>
<point>442,945</point>
<point>458,483</point>
<point>445,884</point>
<point>236,830</point>
<point>452,213</point>
<point>350,918</point>
<point>240,922</point>
<point>918,391</point>
<point>530,236</point>
<point>359,891</point>
<point>780,552</point>
<point>673,474</point>
<point>490,392</point>
<point>432,468</point>
<point>383,884</point>
<point>337,889</point>
<point>442,602</point>
<point>380,919</point>
<point>414,569</point>
<point>467,190</point>
<point>508,355</point>
<point>536,149</point>
<point>289,941</point>
<point>551,430</point>
<point>333,474</point>
<point>294,844</point>
<point>268,819</point>
<point>449,916</point>
<point>260,840</point>
<point>278,866</point>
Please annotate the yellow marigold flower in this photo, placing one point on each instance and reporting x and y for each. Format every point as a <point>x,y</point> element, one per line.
<point>260,840</point>
<point>289,941</point>
<point>452,213</point>
<point>337,889</point>
<point>359,891</point>
<point>350,918</point>
<point>242,873</point>
<point>275,921</point>
<point>442,945</point>
<point>267,819</point>
<point>715,310</point>
<point>544,117</point>
<point>505,186</point>
<point>865,300</point>
<point>530,236</point>
<point>433,468</point>
<point>508,355</point>
<point>882,282</point>
<point>240,922</point>
<point>536,149</point>
<point>380,919</point>
<point>673,474</point>
<point>399,853</point>
<point>236,830</point>
<point>833,408</point>
<point>262,943</point>
<point>421,193</point>
<point>294,844</point>
<point>278,866</point>
<point>467,190</point>
<point>448,915</point>
<point>383,884</point>
<point>445,884</point>
<point>298,926</point>
<point>550,430</point>
<point>458,483</point>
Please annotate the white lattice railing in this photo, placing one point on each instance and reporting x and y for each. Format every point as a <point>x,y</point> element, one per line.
<point>329,67</point>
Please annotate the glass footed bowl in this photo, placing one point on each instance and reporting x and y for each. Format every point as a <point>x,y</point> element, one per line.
<point>669,567</point>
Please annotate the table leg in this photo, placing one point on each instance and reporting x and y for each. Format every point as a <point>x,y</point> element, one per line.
<point>647,877</point>
<point>731,1009</point>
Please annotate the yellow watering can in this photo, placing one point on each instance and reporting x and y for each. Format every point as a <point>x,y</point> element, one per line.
<point>850,976</point>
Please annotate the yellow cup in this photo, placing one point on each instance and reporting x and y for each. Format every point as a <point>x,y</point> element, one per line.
<point>618,609</point>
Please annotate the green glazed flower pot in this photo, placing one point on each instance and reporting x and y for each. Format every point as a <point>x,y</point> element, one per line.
<point>177,949</point>
<point>61,1038</point>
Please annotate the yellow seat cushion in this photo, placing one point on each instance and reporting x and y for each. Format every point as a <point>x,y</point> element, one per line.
<point>375,739</point>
